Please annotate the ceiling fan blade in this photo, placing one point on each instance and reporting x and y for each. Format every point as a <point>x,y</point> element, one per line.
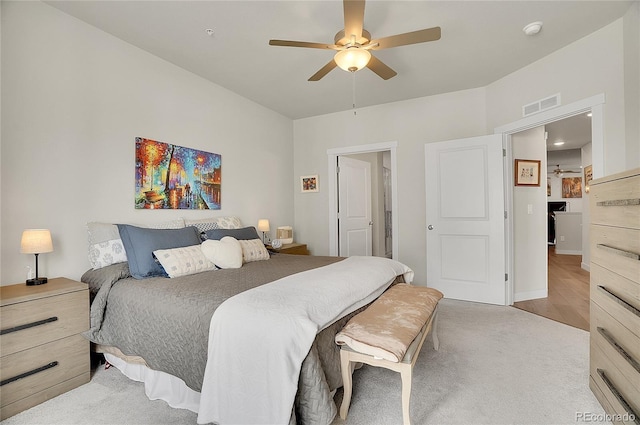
<point>377,66</point>
<point>288,43</point>
<point>323,71</point>
<point>353,18</point>
<point>420,36</point>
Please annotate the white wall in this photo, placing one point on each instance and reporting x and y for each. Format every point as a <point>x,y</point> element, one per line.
<point>568,233</point>
<point>585,68</point>
<point>530,229</point>
<point>74,98</point>
<point>411,123</point>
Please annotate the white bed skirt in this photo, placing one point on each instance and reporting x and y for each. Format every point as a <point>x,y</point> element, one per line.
<point>159,385</point>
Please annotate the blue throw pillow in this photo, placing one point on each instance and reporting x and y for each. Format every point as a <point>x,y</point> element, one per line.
<point>139,244</point>
<point>243,234</point>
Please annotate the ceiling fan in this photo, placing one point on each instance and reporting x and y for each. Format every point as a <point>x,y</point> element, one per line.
<point>354,43</point>
<point>559,171</point>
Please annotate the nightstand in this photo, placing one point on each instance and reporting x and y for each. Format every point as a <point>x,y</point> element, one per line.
<point>291,248</point>
<point>42,351</point>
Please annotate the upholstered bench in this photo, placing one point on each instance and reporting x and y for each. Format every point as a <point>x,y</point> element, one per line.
<point>389,333</point>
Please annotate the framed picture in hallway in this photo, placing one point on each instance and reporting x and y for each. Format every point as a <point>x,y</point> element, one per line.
<point>527,172</point>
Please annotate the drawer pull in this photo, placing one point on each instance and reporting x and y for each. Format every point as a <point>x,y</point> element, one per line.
<point>617,394</point>
<point>607,336</point>
<point>28,325</point>
<point>619,202</point>
<point>31,372</point>
<point>620,301</point>
<point>622,252</point>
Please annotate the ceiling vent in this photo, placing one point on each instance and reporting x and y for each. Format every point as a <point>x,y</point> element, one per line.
<point>541,105</point>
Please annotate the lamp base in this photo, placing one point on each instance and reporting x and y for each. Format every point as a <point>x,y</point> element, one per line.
<point>37,281</point>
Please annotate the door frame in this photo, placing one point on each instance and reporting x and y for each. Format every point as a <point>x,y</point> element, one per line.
<point>332,159</point>
<point>595,105</point>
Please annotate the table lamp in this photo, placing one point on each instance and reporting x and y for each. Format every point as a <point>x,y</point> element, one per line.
<point>36,241</point>
<point>263,226</point>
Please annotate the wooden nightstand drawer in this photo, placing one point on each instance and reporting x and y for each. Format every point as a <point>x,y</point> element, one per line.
<point>42,351</point>
<point>30,323</point>
<point>57,361</point>
<point>291,248</point>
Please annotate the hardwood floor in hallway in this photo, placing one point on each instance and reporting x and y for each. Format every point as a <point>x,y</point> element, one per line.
<point>568,299</point>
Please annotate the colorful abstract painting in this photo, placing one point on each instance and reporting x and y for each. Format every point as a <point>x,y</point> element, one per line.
<point>174,177</point>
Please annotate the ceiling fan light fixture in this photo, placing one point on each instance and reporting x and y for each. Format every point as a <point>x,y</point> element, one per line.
<point>352,59</point>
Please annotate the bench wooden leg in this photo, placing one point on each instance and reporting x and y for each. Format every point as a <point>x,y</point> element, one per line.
<point>347,382</point>
<point>405,373</point>
<point>434,331</point>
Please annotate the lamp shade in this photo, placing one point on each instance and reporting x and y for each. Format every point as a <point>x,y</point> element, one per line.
<point>352,59</point>
<point>36,241</point>
<point>263,225</point>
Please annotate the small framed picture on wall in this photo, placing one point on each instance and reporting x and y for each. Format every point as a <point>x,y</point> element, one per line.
<point>309,183</point>
<point>588,176</point>
<point>527,172</point>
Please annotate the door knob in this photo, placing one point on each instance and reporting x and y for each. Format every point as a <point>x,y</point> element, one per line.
<point>430,227</point>
<point>371,223</point>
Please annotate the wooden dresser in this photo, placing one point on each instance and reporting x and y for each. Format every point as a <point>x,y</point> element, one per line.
<point>42,351</point>
<point>615,295</point>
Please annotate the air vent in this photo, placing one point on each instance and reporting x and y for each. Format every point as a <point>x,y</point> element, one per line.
<point>541,105</point>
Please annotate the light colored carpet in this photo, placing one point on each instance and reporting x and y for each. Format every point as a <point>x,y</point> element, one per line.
<point>496,365</point>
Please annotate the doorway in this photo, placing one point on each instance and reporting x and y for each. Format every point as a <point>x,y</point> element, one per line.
<point>364,205</point>
<point>388,152</point>
<point>567,150</point>
<point>595,105</point>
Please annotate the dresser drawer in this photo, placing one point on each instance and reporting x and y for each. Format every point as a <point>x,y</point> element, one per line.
<point>619,390</point>
<point>607,331</point>
<point>620,346</point>
<point>618,415</point>
<point>616,203</point>
<point>611,295</point>
<point>42,320</point>
<point>60,360</point>
<point>616,249</point>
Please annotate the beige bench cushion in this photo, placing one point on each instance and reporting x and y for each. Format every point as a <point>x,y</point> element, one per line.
<point>390,324</point>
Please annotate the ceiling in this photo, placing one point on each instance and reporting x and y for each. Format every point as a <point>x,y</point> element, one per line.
<point>574,131</point>
<point>482,41</point>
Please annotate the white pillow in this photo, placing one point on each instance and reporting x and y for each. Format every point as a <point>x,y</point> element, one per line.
<point>225,253</point>
<point>253,250</point>
<point>105,245</point>
<point>225,222</point>
<point>106,253</point>
<point>183,261</point>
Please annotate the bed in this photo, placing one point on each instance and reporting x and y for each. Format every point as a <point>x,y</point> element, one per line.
<point>164,323</point>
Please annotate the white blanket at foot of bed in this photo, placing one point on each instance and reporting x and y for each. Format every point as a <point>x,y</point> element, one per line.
<point>259,338</point>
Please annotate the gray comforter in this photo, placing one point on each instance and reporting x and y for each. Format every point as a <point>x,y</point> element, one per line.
<point>166,322</point>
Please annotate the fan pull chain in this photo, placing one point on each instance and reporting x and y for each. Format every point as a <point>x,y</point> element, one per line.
<point>353,80</point>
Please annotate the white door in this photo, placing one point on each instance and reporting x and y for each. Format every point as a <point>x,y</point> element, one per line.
<point>465,218</point>
<point>354,207</point>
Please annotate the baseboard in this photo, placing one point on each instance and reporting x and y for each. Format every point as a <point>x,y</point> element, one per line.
<point>567,251</point>
<point>585,266</point>
<point>530,295</point>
